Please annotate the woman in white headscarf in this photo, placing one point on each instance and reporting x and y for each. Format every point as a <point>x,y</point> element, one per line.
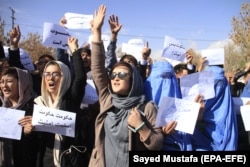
<point>59,91</point>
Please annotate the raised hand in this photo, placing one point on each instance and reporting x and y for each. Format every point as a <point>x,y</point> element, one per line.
<point>63,21</point>
<point>146,51</point>
<point>114,25</point>
<point>247,66</point>
<point>189,58</point>
<point>97,23</point>
<point>203,62</point>
<point>15,35</point>
<point>99,18</point>
<point>73,44</point>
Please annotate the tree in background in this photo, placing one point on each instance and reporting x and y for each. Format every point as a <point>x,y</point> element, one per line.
<point>32,44</point>
<point>240,34</point>
<point>234,60</point>
<point>3,37</point>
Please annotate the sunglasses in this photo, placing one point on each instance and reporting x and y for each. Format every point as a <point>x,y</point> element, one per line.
<point>121,75</point>
<point>53,74</point>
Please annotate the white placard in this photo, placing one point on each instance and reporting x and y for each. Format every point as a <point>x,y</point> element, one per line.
<point>245,113</point>
<point>133,50</point>
<point>53,120</point>
<point>197,83</point>
<point>9,127</point>
<point>184,112</point>
<point>173,49</point>
<point>214,56</point>
<point>55,36</point>
<point>137,42</point>
<point>90,95</point>
<point>78,21</point>
<point>238,102</point>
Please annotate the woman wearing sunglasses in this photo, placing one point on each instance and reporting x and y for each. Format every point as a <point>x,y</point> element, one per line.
<point>120,126</point>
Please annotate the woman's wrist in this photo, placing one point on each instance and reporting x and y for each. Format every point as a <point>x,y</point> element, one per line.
<point>137,128</point>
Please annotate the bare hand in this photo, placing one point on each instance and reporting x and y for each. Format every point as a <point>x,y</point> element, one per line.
<point>189,58</point>
<point>15,35</point>
<point>134,118</point>
<point>169,128</point>
<point>26,123</point>
<point>114,25</point>
<point>63,21</point>
<point>248,103</point>
<point>73,44</point>
<point>199,99</point>
<point>99,18</point>
<point>247,66</point>
<point>202,63</point>
<point>146,51</point>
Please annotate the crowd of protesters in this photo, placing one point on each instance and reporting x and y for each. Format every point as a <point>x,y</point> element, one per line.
<point>114,125</point>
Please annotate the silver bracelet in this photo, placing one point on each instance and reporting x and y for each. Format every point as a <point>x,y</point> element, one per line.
<point>136,129</point>
<point>140,126</point>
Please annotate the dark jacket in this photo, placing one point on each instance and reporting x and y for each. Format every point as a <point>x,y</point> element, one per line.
<point>70,102</point>
<point>25,150</point>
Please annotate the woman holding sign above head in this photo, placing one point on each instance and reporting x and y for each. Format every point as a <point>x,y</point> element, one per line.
<point>16,93</point>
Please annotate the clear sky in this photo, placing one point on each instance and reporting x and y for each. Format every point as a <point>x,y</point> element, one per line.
<point>196,23</point>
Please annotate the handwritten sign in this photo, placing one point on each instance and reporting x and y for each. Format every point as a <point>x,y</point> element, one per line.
<point>214,56</point>
<point>78,21</point>
<point>55,36</point>
<point>9,127</point>
<point>24,58</point>
<point>53,120</point>
<point>245,114</point>
<point>184,112</point>
<point>134,50</point>
<point>136,42</point>
<point>90,95</point>
<point>197,83</point>
<point>173,49</point>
